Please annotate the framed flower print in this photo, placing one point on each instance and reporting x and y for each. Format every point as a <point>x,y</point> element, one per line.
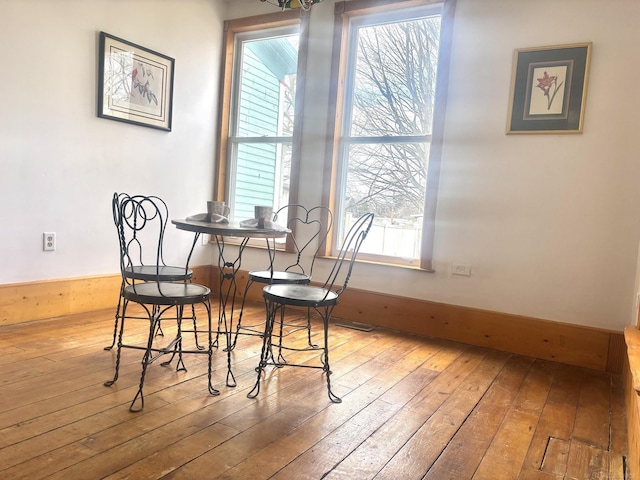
<point>549,89</point>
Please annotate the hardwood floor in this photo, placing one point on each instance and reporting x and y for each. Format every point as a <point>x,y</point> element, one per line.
<point>412,408</point>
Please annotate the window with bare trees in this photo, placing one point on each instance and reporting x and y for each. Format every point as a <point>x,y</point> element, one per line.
<point>387,113</point>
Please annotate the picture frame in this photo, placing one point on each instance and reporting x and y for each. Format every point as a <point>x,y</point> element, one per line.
<point>135,84</point>
<point>549,89</point>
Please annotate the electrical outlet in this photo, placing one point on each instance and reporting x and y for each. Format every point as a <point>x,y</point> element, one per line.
<point>49,241</point>
<point>459,269</point>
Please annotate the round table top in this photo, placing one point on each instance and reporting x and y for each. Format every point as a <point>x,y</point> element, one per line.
<point>232,229</point>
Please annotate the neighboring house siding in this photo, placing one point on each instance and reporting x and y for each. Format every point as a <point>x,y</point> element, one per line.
<point>256,167</point>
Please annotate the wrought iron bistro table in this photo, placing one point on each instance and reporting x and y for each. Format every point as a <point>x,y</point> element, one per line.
<point>229,268</point>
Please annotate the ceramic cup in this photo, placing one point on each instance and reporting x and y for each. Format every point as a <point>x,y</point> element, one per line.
<point>262,213</point>
<point>217,208</point>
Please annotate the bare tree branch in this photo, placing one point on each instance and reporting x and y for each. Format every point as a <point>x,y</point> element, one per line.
<point>393,95</point>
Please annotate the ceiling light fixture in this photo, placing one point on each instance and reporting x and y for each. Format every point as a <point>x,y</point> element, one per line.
<point>285,4</point>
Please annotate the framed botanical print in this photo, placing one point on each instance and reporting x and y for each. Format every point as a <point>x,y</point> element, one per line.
<point>549,89</point>
<point>135,84</point>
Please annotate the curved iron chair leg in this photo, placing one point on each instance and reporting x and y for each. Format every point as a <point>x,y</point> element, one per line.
<point>239,324</point>
<point>153,321</point>
<point>271,309</point>
<point>216,342</point>
<point>325,360</point>
<point>195,328</point>
<point>180,366</point>
<point>119,349</point>
<point>312,345</point>
<point>118,317</point>
<point>281,360</point>
<point>212,391</point>
<point>177,348</point>
<point>158,331</point>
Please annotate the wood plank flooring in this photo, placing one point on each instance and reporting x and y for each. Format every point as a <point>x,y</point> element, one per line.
<point>413,408</point>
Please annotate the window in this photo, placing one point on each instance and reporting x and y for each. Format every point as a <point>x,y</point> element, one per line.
<point>385,143</point>
<point>258,152</point>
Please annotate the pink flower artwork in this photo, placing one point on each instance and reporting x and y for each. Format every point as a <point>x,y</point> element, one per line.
<point>545,84</point>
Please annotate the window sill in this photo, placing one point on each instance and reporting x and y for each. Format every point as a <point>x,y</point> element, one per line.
<point>386,264</point>
<point>262,246</point>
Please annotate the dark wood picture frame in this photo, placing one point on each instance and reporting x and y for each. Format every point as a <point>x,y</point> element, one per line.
<point>135,84</point>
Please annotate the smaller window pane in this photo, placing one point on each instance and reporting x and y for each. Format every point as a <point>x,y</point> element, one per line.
<point>395,78</point>
<point>262,173</point>
<point>390,181</point>
<point>267,87</point>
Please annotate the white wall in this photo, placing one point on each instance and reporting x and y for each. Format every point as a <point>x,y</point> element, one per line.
<point>548,222</point>
<point>60,163</point>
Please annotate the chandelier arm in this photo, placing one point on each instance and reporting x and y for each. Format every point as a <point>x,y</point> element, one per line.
<point>304,5</point>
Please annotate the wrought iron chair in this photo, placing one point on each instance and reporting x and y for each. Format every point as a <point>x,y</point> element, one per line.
<point>138,269</point>
<point>134,215</point>
<point>309,227</point>
<point>321,299</point>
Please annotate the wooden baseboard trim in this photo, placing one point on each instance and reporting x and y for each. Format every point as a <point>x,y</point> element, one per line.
<point>24,302</point>
<point>560,342</point>
<point>631,377</point>
<point>571,344</point>
<point>577,345</point>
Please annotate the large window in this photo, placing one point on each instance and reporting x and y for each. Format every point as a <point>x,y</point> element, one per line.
<point>386,126</point>
<point>257,157</point>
